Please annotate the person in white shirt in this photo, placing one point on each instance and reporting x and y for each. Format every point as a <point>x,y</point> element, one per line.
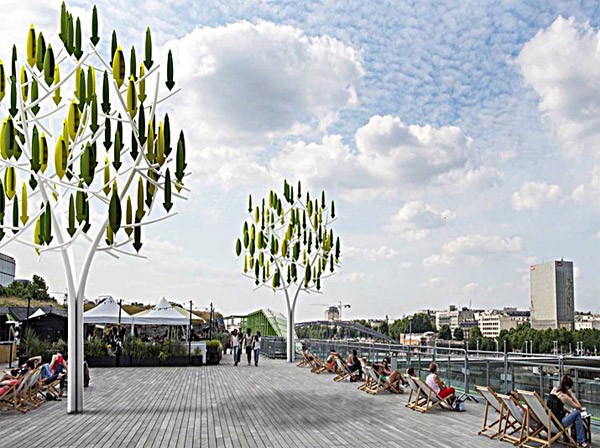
<point>248,339</point>
<point>434,381</point>
<point>235,345</point>
<point>256,347</point>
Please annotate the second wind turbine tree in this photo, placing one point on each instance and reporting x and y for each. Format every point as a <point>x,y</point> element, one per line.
<point>288,245</point>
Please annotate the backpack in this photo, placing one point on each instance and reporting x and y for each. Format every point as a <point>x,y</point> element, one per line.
<point>458,404</point>
<point>556,406</point>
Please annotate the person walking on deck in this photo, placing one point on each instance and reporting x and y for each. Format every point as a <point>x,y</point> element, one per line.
<point>235,345</point>
<point>248,339</point>
<point>256,348</point>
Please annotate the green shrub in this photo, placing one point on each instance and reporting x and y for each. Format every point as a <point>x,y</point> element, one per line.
<point>94,347</point>
<point>34,346</point>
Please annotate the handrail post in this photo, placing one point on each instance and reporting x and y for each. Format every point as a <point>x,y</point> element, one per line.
<point>467,371</point>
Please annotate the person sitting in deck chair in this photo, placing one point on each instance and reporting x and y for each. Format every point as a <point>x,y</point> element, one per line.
<point>392,377</point>
<point>562,395</point>
<point>306,354</point>
<point>355,365</point>
<point>434,381</point>
<point>330,363</point>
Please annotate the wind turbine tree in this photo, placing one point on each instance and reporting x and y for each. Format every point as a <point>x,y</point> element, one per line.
<point>85,159</point>
<point>288,245</point>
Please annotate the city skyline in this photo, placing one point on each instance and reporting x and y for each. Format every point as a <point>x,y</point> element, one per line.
<point>453,140</point>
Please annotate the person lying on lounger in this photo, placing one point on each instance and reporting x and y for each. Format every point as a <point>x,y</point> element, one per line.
<point>388,375</point>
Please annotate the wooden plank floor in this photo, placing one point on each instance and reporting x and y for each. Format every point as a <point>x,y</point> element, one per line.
<point>274,405</point>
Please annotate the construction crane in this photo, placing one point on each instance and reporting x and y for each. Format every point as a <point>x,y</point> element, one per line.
<point>338,305</point>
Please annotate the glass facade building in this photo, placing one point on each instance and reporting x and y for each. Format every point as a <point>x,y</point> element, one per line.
<point>7,270</point>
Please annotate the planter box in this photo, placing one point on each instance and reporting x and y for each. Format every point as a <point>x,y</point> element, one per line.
<point>102,361</point>
<point>213,356</point>
<point>177,361</point>
<point>145,362</point>
<point>124,361</point>
<point>196,360</point>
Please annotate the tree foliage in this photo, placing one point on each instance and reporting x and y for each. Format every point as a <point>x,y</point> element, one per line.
<point>79,135</point>
<point>459,334</point>
<point>421,323</point>
<point>445,333</point>
<point>36,290</point>
<point>543,340</point>
<point>288,240</point>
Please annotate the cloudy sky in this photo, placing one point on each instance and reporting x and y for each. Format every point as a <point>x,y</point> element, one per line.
<point>460,140</point>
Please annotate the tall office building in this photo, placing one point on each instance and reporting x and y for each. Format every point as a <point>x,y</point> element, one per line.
<point>7,270</point>
<point>552,295</point>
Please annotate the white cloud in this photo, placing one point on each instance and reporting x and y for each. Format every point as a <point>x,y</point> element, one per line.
<point>507,155</point>
<point>562,64</point>
<point>473,249</point>
<point>352,277</point>
<point>370,254</point>
<point>533,195</point>
<point>405,265</point>
<point>577,272</point>
<point>434,282</point>
<point>415,220</point>
<point>255,80</point>
<point>471,288</point>
<point>391,156</point>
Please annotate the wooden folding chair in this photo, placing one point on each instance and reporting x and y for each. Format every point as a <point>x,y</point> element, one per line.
<point>342,371</point>
<point>368,382</point>
<point>513,421</point>
<point>13,400</point>
<point>548,423</point>
<point>413,392</point>
<point>490,428</point>
<point>431,398</point>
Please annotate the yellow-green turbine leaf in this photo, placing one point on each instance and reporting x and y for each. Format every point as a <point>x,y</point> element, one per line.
<point>131,98</point>
<point>118,66</point>
<point>61,154</point>
<point>31,46</point>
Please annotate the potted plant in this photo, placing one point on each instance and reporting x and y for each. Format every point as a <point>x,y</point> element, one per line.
<point>197,357</point>
<point>96,354</point>
<point>214,350</point>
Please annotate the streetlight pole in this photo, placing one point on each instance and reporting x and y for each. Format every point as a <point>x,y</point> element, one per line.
<point>210,325</point>
<point>190,337</point>
<point>410,331</point>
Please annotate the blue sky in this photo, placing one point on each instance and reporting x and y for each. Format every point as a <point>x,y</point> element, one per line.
<point>460,139</point>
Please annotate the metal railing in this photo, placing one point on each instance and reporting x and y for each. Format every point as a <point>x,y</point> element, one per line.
<point>462,368</point>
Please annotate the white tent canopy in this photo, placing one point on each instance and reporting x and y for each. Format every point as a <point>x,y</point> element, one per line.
<point>162,314</point>
<point>107,312</point>
<point>38,313</point>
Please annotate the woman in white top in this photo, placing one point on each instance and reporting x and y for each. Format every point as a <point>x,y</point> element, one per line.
<point>235,345</point>
<point>256,347</point>
<point>434,381</point>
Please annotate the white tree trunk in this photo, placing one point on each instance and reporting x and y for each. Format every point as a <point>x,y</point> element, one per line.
<point>75,355</point>
<point>291,343</point>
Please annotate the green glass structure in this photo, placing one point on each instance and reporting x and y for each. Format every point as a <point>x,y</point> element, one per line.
<point>265,320</point>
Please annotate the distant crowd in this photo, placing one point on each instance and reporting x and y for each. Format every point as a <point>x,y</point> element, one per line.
<point>244,342</point>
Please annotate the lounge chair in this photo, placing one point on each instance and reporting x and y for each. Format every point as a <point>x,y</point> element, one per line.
<point>492,403</point>
<point>377,384</point>
<point>513,421</point>
<point>431,398</point>
<point>413,392</point>
<point>548,423</point>
<point>368,379</point>
<point>13,400</point>
<point>342,370</point>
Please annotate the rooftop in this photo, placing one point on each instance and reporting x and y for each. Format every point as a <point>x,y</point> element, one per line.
<point>274,405</point>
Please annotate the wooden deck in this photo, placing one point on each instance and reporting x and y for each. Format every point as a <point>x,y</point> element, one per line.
<point>274,405</point>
